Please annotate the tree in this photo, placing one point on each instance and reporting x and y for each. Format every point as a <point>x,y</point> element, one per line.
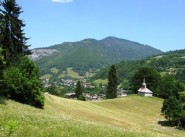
<point>12,38</point>
<point>2,64</point>
<point>54,90</point>
<point>111,91</point>
<point>174,110</point>
<point>152,78</point>
<point>21,83</point>
<point>182,114</point>
<point>78,90</point>
<point>180,75</point>
<point>171,109</point>
<point>168,86</point>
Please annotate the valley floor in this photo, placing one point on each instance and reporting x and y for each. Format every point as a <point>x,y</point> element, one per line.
<point>128,116</point>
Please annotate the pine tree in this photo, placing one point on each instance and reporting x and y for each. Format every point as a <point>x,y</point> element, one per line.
<point>78,90</point>
<point>20,77</point>
<point>12,38</point>
<point>111,91</point>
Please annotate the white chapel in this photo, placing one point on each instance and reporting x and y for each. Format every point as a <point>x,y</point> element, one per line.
<point>144,91</point>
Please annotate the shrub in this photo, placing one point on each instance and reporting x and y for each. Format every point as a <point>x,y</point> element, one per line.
<point>22,83</point>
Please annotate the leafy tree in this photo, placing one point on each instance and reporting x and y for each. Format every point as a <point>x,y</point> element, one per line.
<point>78,90</point>
<point>168,86</point>
<point>53,90</point>
<point>152,79</point>
<point>182,114</point>
<point>111,91</point>
<point>171,109</point>
<point>180,75</point>
<point>12,38</point>
<point>174,109</point>
<point>21,83</point>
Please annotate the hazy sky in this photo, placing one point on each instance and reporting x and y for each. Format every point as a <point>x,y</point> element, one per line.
<point>159,23</point>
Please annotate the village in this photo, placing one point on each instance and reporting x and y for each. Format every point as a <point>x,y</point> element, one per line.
<point>93,92</point>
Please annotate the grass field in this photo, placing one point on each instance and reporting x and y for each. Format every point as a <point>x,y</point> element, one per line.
<point>100,81</point>
<point>46,76</point>
<point>132,116</point>
<point>72,73</point>
<point>54,70</point>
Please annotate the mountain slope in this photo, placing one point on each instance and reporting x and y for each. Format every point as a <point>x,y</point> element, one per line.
<point>92,54</point>
<point>132,116</point>
<point>171,62</point>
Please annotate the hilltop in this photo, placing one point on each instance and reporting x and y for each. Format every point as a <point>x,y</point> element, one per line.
<point>89,55</point>
<point>131,116</point>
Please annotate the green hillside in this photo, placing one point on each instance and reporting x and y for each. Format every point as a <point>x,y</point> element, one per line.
<point>171,63</point>
<point>91,54</point>
<point>132,116</point>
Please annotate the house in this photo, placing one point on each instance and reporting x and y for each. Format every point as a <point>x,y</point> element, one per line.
<point>95,98</point>
<point>144,91</point>
<point>70,95</point>
<point>122,92</point>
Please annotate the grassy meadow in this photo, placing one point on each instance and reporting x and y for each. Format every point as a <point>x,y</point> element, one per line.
<point>131,116</point>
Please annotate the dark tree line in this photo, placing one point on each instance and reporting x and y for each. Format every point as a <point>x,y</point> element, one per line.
<point>19,78</point>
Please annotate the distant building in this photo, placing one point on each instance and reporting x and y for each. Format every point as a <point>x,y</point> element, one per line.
<point>70,95</point>
<point>122,92</point>
<point>144,91</point>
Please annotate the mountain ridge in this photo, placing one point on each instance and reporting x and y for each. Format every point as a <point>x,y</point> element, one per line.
<point>93,54</point>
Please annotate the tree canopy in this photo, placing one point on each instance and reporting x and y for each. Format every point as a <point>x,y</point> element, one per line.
<point>151,76</point>
<point>22,83</point>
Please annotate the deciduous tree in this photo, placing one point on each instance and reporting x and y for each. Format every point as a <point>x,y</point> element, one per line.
<point>21,83</point>
<point>152,79</point>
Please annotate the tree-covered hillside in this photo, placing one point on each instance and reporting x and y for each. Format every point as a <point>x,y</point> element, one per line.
<point>172,62</point>
<point>93,54</point>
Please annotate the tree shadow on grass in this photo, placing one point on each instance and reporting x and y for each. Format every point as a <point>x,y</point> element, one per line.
<point>166,123</point>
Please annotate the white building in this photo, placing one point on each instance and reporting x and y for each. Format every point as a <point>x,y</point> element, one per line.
<point>144,91</point>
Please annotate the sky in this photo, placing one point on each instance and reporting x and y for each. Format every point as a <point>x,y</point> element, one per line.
<point>158,23</point>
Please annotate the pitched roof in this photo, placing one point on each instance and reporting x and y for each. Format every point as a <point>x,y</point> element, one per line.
<point>145,90</point>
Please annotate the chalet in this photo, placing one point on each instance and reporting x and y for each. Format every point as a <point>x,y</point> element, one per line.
<point>70,95</point>
<point>122,92</point>
<point>144,91</point>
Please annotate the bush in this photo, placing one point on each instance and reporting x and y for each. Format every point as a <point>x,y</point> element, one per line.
<point>22,83</point>
<point>81,97</point>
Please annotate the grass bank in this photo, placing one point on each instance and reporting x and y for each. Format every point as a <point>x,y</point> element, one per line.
<point>132,116</point>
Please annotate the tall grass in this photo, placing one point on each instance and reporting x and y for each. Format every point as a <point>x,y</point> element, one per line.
<point>123,117</point>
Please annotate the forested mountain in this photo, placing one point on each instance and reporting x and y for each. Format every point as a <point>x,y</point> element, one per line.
<point>172,63</point>
<point>90,54</point>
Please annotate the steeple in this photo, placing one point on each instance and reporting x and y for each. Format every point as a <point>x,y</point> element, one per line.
<point>144,91</point>
<point>144,83</point>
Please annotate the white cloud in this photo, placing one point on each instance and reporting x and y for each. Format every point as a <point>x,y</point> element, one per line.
<point>62,1</point>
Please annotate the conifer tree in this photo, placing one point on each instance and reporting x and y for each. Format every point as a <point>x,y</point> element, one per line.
<point>20,77</point>
<point>111,91</point>
<point>78,90</point>
<point>12,39</point>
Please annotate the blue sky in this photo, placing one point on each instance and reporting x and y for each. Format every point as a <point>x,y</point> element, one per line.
<point>159,23</point>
